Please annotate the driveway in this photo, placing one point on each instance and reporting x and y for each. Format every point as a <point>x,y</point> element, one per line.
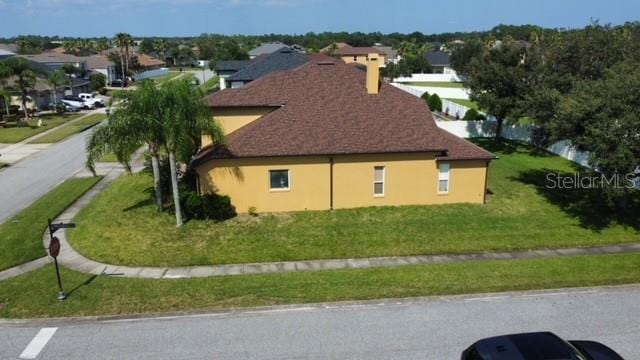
<point>436,328</point>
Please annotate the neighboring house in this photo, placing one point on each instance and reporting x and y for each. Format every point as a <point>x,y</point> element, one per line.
<point>265,49</point>
<point>52,61</point>
<point>42,94</point>
<point>148,62</point>
<point>101,64</point>
<point>6,54</point>
<point>298,48</point>
<point>327,135</point>
<point>329,49</point>
<point>360,55</point>
<point>283,59</point>
<point>226,68</point>
<point>440,62</point>
<point>390,54</point>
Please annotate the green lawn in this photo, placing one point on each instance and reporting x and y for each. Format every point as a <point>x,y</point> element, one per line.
<point>34,294</point>
<point>164,78</point>
<point>65,132</point>
<point>13,134</point>
<point>468,103</point>
<point>211,85</point>
<point>440,84</point>
<point>520,214</point>
<point>21,236</point>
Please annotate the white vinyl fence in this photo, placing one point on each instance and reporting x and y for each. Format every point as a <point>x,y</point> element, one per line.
<point>430,78</point>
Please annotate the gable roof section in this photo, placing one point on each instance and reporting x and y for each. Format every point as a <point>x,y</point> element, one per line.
<point>267,48</point>
<point>390,52</point>
<point>438,58</point>
<point>322,108</point>
<point>283,59</point>
<point>98,62</point>
<point>231,65</point>
<point>361,50</point>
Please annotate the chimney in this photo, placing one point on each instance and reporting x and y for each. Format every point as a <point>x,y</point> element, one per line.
<point>373,74</point>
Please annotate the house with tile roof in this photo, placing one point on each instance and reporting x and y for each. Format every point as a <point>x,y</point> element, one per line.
<point>360,54</point>
<point>327,135</point>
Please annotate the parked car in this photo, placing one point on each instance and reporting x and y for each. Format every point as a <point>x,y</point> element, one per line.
<point>91,100</point>
<point>537,346</point>
<point>118,83</point>
<point>75,101</point>
<point>62,107</point>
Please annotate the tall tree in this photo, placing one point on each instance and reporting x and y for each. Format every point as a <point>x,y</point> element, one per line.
<point>123,41</point>
<point>25,79</point>
<point>57,79</point>
<point>135,123</point>
<point>5,93</point>
<point>464,54</point>
<point>500,81</point>
<point>186,119</point>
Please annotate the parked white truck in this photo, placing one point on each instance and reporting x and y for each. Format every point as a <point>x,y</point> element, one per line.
<point>92,100</point>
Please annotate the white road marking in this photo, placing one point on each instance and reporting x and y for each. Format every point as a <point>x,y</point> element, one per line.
<point>38,343</point>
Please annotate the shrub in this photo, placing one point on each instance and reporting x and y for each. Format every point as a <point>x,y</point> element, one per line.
<point>210,206</point>
<point>434,102</point>
<point>253,211</point>
<point>425,97</point>
<point>98,81</point>
<point>473,114</point>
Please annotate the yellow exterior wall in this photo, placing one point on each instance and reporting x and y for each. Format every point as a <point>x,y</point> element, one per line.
<point>246,181</point>
<point>362,59</point>
<point>231,119</point>
<point>410,179</point>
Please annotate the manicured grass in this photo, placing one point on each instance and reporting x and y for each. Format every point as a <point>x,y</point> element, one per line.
<point>34,294</point>
<point>109,157</point>
<point>440,84</point>
<point>164,78</point>
<point>65,132</point>
<point>468,103</point>
<point>15,134</point>
<point>520,214</point>
<point>211,85</point>
<point>21,236</point>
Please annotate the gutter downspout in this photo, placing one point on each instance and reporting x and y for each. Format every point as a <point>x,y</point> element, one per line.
<point>486,183</point>
<point>331,183</point>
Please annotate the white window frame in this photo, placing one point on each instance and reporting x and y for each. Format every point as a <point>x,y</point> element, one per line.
<point>288,188</point>
<point>383,182</point>
<point>444,176</point>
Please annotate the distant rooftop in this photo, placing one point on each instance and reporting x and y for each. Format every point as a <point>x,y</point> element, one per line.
<point>267,48</point>
<point>438,58</point>
<point>360,50</point>
<point>283,59</point>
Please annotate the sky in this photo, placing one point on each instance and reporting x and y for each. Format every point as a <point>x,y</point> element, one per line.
<point>89,18</point>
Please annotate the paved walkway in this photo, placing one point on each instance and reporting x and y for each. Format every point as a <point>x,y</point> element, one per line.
<point>73,260</point>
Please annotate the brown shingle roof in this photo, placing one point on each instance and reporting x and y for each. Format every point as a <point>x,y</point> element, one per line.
<point>362,50</point>
<point>322,108</point>
<point>148,61</point>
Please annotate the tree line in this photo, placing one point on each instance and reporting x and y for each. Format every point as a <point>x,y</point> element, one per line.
<point>579,85</point>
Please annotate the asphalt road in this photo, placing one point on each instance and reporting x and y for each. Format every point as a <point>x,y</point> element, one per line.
<point>26,181</point>
<point>438,328</point>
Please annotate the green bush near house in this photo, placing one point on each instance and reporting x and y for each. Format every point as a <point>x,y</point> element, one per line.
<point>473,114</point>
<point>435,103</point>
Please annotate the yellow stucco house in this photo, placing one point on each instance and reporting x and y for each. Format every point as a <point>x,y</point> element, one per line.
<point>361,54</point>
<point>328,135</point>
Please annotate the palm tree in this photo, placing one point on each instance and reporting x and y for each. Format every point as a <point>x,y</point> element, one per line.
<point>161,46</point>
<point>56,79</point>
<point>135,123</point>
<point>25,79</point>
<point>102,45</point>
<point>5,95</point>
<point>123,41</point>
<point>186,119</point>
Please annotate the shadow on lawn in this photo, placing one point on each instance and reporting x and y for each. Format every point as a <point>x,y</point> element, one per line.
<point>590,206</point>
<point>82,284</point>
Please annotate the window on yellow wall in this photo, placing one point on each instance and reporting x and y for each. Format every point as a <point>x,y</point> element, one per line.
<point>378,181</point>
<point>355,58</point>
<point>444,171</point>
<point>279,180</point>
